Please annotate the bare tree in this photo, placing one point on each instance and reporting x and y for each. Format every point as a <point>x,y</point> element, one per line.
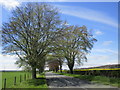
<point>75,44</point>
<point>30,31</point>
<point>53,65</point>
<point>59,57</point>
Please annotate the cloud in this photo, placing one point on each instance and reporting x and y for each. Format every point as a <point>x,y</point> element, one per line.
<point>55,0</point>
<point>98,32</point>
<point>69,0</point>
<point>107,51</point>
<point>45,0</point>
<point>9,4</point>
<point>98,60</point>
<point>88,14</point>
<point>90,64</point>
<point>7,62</point>
<point>101,57</point>
<point>106,43</point>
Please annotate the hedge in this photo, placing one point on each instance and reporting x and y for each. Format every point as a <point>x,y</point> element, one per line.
<point>113,72</point>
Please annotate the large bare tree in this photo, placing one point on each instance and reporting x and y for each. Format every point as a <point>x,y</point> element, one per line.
<point>30,31</point>
<point>75,44</point>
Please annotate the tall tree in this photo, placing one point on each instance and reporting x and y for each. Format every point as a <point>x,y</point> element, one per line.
<point>30,31</point>
<point>59,56</point>
<point>41,64</point>
<point>53,65</point>
<point>75,44</point>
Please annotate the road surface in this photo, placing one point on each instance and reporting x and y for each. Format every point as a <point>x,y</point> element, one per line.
<point>60,81</point>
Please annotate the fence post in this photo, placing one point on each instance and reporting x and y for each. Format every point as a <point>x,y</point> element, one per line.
<point>25,77</point>
<point>28,76</point>
<point>4,83</point>
<point>20,79</point>
<point>15,80</point>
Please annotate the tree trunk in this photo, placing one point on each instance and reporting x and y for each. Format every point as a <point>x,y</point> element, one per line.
<point>56,69</point>
<point>33,73</point>
<point>60,68</point>
<point>71,70</point>
<point>39,71</point>
<point>71,65</point>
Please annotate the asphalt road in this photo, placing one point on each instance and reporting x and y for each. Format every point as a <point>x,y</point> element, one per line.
<point>60,81</point>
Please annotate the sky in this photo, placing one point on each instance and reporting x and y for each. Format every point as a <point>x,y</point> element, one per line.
<point>99,17</point>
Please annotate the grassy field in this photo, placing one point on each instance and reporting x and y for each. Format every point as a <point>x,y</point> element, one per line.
<point>97,79</point>
<point>10,78</point>
<point>0,80</point>
<point>40,82</point>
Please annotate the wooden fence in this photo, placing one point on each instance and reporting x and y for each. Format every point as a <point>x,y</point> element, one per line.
<point>25,77</point>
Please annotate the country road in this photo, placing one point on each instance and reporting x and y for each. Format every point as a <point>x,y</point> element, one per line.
<point>60,81</point>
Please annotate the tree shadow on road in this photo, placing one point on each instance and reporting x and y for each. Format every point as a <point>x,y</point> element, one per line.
<point>37,81</point>
<point>66,82</point>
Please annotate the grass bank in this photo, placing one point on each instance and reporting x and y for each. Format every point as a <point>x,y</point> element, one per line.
<point>26,81</point>
<point>39,82</point>
<point>96,79</point>
<point>10,76</point>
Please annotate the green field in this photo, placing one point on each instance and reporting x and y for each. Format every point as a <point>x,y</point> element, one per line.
<point>0,80</point>
<point>40,82</point>
<point>10,78</point>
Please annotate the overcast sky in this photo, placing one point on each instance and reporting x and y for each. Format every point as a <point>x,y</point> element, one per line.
<point>100,17</point>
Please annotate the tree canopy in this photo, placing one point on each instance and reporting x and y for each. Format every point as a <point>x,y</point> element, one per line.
<point>75,44</point>
<point>35,30</point>
<point>30,31</point>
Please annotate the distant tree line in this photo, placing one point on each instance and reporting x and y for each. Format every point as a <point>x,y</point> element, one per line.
<point>37,35</point>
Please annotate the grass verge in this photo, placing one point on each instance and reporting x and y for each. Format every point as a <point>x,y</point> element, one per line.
<point>39,82</point>
<point>96,79</point>
<point>10,76</point>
